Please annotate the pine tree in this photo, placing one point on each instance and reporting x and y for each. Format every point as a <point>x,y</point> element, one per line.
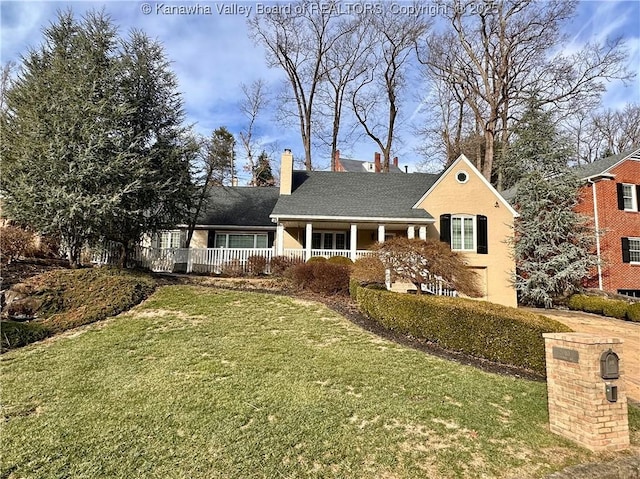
<point>553,244</point>
<point>537,146</point>
<point>92,142</point>
<point>263,173</point>
<point>221,156</point>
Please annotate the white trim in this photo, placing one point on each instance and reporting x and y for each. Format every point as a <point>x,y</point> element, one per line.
<point>463,159</point>
<point>474,228</point>
<point>239,233</point>
<point>466,179</point>
<point>333,240</point>
<point>347,219</point>
<point>230,227</point>
<point>634,197</point>
<point>631,238</point>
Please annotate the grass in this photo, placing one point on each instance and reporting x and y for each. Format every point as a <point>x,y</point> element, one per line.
<point>202,383</point>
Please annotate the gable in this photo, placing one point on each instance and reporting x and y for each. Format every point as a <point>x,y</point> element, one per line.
<point>474,193</point>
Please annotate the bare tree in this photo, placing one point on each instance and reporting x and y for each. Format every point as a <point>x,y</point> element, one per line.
<point>343,64</point>
<point>255,101</point>
<point>297,40</point>
<point>499,53</point>
<point>376,99</point>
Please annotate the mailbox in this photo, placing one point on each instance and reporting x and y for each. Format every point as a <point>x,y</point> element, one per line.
<point>609,365</point>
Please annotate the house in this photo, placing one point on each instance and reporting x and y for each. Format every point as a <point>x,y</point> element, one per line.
<point>611,196</point>
<point>331,213</point>
<point>328,213</point>
<point>356,166</point>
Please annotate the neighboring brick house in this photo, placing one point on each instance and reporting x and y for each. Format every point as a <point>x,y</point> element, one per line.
<point>611,196</point>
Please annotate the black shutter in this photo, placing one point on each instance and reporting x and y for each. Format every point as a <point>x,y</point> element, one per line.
<point>637,197</point>
<point>619,186</point>
<point>271,236</point>
<point>211,239</point>
<point>626,255</point>
<point>445,229</point>
<point>347,242</point>
<point>482,235</point>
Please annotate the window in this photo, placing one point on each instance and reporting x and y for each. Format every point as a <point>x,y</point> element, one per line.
<point>462,233</point>
<point>462,176</point>
<point>631,250</point>
<point>241,240</point>
<point>168,239</point>
<point>465,232</point>
<point>628,196</point>
<point>329,240</point>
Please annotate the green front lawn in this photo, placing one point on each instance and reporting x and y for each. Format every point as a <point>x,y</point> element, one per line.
<point>202,383</point>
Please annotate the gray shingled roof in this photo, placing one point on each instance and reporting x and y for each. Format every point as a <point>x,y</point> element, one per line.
<point>355,195</point>
<point>585,171</point>
<point>240,206</point>
<point>357,166</point>
<point>601,166</point>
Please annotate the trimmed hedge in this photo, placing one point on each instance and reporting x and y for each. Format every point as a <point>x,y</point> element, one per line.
<point>613,308</point>
<point>317,259</point>
<point>72,298</point>
<point>490,331</point>
<point>342,260</point>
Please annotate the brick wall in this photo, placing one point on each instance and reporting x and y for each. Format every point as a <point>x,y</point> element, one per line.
<point>615,225</point>
<point>578,407</point>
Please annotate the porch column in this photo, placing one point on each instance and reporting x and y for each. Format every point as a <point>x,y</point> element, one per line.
<point>280,239</point>
<point>423,232</point>
<point>380,233</point>
<point>411,232</point>
<point>354,241</point>
<point>308,236</point>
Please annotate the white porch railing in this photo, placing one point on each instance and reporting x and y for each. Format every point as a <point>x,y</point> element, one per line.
<point>232,260</point>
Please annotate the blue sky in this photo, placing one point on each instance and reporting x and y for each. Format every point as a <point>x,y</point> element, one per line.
<point>212,55</point>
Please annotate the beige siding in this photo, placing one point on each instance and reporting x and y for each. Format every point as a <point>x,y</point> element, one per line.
<point>200,239</point>
<point>475,198</point>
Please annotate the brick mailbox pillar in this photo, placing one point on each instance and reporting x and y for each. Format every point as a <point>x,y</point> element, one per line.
<point>584,406</point>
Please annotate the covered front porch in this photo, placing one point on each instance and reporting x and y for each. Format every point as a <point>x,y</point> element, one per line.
<point>306,239</point>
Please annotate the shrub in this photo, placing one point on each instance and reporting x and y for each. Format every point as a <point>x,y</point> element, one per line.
<point>498,333</point>
<point>280,264</point>
<point>418,261</point>
<point>14,242</point>
<point>317,259</point>
<point>615,308</point>
<point>633,312</point>
<point>256,265</point>
<point>15,335</point>
<point>321,277</point>
<point>343,260</point>
<point>368,270</point>
<point>232,268</point>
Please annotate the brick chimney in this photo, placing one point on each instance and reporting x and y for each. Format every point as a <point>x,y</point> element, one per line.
<point>286,172</point>
<point>376,162</point>
<point>395,161</point>
<point>337,166</point>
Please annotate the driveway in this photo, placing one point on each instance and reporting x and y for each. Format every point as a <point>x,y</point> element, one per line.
<point>628,331</point>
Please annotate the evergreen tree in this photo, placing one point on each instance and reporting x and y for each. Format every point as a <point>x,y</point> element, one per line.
<point>92,141</point>
<point>221,156</point>
<point>553,244</point>
<point>537,146</point>
<point>262,172</point>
